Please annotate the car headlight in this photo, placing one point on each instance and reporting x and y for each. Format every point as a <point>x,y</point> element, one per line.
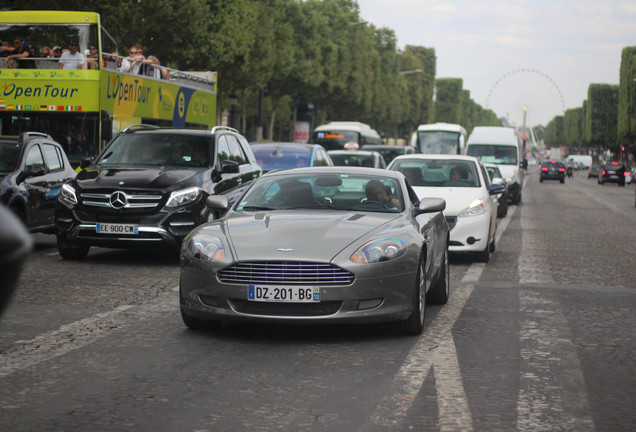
<point>183,196</point>
<point>67,194</point>
<point>379,250</point>
<point>475,208</point>
<point>206,248</point>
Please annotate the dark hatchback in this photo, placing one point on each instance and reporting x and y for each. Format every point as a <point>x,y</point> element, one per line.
<point>612,172</point>
<point>552,170</point>
<point>149,186</point>
<point>33,168</point>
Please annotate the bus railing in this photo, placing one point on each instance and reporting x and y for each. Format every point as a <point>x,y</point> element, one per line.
<point>198,80</point>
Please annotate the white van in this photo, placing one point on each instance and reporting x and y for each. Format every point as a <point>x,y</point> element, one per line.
<point>584,160</point>
<point>501,146</point>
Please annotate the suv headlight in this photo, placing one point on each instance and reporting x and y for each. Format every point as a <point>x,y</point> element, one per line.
<point>475,208</point>
<point>67,194</point>
<point>183,196</point>
<point>379,250</point>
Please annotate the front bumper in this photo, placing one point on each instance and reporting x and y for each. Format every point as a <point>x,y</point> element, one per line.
<point>470,234</point>
<point>165,228</point>
<point>366,300</point>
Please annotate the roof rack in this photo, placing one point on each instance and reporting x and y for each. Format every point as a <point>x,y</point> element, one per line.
<point>133,128</point>
<point>227,128</point>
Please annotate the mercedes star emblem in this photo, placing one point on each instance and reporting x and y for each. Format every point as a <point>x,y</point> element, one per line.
<point>118,200</point>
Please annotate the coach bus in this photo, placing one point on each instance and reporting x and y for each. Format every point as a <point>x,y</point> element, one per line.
<point>82,108</point>
<point>439,138</point>
<point>340,135</point>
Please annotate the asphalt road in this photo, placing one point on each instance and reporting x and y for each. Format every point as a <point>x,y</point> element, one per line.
<point>539,339</point>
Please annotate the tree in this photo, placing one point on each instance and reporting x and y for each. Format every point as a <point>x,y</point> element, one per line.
<point>602,115</point>
<point>627,98</point>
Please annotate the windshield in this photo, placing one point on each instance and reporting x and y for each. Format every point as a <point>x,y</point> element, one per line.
<point>442,172</point>
<point>343,192</point>
<point>280,157</point>
<point>9,154</point>
<point>493,153</point>
<point>158,149</point>
<point>438,142</point>
<point>352,159</point>
<point>335,139</point>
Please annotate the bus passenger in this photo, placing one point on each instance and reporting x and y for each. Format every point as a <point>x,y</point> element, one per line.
<point>73,59</point>
<point>21,50</point>
<point>155,69</point>
<point>92,58</point>
<point>134,62</point>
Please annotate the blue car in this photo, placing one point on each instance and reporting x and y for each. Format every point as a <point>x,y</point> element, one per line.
<point>273,156</point>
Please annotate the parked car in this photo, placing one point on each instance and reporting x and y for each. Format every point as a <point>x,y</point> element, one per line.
<point>593,172</point>
<point>497,178</point>
<point>389,152</point>
<point>33,168</point>
<point>282,155</point>
<point>148,187</point>
<point>471,200</point>
<point>552,170</point>
<point>358,261</point>
<point>612,172</point>
<point>369,159</point>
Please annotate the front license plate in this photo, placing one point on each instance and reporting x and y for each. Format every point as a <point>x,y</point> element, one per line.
<point>283,294</point>
<point>108,228</point>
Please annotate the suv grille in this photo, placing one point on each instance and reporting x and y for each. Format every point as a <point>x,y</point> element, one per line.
<point>286,273</point>
<point>121,200</point>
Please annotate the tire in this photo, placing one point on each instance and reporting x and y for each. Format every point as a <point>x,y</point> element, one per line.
<point>414,325</point>
<point>198,324</point>
<point>492,246</point>
<point>503,210</point>
<point>562,180</point>
<point>540,179</point>
<point>77,252</point>
<point>517,199</point>
<point>484,256</point>
<point>438,294</point>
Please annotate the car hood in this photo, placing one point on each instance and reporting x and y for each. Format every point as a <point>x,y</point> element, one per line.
<point>141,177</point>
<point>457,198</point>
<point>311,235</point>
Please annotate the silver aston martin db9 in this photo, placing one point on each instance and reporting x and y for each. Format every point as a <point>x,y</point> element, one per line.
<point>318,245</point>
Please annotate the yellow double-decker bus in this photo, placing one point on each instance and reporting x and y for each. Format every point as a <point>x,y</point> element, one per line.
<point>82,108</point>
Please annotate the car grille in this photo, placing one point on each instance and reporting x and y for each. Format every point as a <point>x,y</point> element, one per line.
<point>286,273</point>
<point>451,220</point>
<point>125,201</point>
<point>286,309</point>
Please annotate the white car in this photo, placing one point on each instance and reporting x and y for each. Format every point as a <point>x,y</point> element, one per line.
<point>471,200</point>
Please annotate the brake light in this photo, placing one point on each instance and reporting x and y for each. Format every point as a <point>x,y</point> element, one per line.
<point>603,172</point>
<point>544,169</point>
<point>553,162</point>
<point>561,169</point>
<point>614,163</point>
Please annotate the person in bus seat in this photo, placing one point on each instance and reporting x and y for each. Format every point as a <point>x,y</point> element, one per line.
<point>73,59</point>
<point>21,50</point>
<point>5,49</point>
<point>93,57</point>
<point>134,63</point>
<point>154,68</point>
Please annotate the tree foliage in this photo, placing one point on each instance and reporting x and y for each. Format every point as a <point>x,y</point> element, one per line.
<point>316,52</point>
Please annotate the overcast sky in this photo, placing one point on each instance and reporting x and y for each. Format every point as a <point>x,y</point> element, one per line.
<point>541,54</point>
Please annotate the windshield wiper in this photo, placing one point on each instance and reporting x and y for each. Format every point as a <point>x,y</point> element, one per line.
<point>257,208</point>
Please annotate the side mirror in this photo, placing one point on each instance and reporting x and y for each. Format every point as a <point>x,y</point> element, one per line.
<point>217,202</point>
<point>431,205</point>
<point>35,171</point>
<point>496,189</point>
<point>498,181</point>
<point>86,162</point>
<point>229,167</point>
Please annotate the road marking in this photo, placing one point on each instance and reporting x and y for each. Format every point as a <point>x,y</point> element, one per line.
<point>24,354</point>
<point>546,398</point>
<point>436,349</point>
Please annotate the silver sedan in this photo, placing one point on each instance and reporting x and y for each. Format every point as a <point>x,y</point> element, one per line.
<point>318,245</point>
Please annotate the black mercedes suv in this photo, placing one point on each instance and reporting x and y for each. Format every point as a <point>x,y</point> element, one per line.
<point>149,186</point>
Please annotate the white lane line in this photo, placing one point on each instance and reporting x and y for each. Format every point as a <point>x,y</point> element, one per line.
<point>24,354</point>
<point>552,393</point>
<point>436,349</point>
